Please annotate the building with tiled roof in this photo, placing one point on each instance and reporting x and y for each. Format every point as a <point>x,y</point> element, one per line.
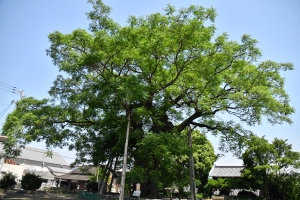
<point>229,172</point>
<point>38,157</point>
<point>76,178</point>
<point>33,160</point>
<point>226,171</point>
<point>58,171</point>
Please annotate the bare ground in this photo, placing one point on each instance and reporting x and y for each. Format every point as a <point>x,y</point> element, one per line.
<point>37,195</point>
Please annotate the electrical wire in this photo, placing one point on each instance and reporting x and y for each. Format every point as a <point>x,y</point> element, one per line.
<point>6,84</point>
<point>12,91</point>
<point>9,88</point>
<point>3,112</point>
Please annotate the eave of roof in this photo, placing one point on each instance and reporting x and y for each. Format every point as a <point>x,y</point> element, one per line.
<point>74,177</point>
<point>58,170</point>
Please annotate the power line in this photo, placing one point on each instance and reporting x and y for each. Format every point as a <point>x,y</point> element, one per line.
<point>9,87</point>
<point>6,84</point>
<point>5,103</point>
<point>3,112</point>
<point>12,89</point>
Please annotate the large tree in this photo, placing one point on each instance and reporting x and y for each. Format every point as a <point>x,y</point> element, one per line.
<point>157,75</point>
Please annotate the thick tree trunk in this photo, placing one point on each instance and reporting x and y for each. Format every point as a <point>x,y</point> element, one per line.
<point>266,187</point>
<point>113,174</point>
<point>149,190</point>
<point>107,173</point>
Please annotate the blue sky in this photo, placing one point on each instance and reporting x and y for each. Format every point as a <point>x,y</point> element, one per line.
<point>25,25</point>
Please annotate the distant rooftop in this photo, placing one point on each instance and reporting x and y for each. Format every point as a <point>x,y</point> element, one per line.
<point>34,154</point>
<point>58,171</point>
<point>226,171</point>
<point>84,170</point>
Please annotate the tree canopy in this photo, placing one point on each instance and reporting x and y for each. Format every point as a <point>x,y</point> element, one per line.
<point>166,71</point>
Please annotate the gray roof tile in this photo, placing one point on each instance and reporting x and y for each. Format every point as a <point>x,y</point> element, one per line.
<point>226,171</point>
<point>58,171</point>
<point>74,177</point>
<point>34,154</point>
<point>84,170</point>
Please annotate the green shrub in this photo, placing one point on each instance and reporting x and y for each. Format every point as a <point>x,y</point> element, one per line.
<point>8,181</point>
<point>92,186</point>
<point>31,181</point>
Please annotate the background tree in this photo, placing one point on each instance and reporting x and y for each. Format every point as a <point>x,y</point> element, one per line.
<point>222,185</point>
<point>167,157</point>
<point>164,71</point>
<point>270,166</point>
<point>286,186</point>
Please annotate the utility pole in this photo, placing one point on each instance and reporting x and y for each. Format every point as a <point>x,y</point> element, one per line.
<point>192,170</point>
<point>21,94</point>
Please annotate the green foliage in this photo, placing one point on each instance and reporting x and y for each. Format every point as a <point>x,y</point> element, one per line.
<point>168,153</point>
<point>169,71</point>
<point>224,185</point>
<point>221,184</point>
<point>92,186</point>
<point>204,158</point>
<point>31,181</point>
<point>8,181</point>
<point>98,174</point>
<point>136,175</point>
<point>271,167</point>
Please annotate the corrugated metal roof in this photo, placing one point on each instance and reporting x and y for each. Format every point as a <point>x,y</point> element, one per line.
<point>30,153</point>
<point>226,171</point>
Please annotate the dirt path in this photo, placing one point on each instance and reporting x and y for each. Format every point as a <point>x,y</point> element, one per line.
<point>36,195</point>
